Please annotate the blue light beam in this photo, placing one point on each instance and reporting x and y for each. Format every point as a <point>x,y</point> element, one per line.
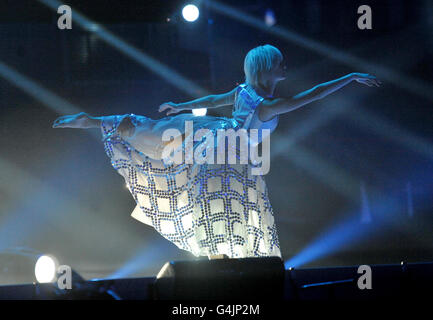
<point>136,55</point>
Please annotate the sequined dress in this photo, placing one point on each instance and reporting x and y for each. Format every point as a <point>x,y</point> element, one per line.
<point>206,209</point>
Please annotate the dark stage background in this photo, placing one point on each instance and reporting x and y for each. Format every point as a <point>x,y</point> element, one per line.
<point>351,175</point>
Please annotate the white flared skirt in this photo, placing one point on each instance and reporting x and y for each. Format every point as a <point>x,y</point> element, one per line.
<point>206,209</point>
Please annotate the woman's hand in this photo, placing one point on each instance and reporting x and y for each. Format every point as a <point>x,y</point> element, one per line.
<point>366,79</point>
<point>79,120</point>
<point>171,107</point>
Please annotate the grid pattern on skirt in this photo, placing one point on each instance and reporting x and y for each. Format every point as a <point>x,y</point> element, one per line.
<point>206,209</point>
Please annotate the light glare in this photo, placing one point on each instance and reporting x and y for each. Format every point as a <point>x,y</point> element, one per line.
<point>45,269</point>
<point>199,112</point>
<point>190,13</point>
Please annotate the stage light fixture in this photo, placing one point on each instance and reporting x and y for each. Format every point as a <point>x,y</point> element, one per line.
<point>45,269</point>
<point>270,19</point>
<point>190,13</point>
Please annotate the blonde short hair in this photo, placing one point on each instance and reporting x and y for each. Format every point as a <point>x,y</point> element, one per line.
<point>260,60</point>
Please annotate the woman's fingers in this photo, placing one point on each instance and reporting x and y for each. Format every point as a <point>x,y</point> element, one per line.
<point>163,107</point>
<point>370,81</point>
<point>170,107</point>
<point>374,82</point>
<point>166,105</point>
<point>377,82</point>
<point>172,111</point>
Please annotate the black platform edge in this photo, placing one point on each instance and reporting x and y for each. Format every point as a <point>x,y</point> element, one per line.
<point>389,282</point>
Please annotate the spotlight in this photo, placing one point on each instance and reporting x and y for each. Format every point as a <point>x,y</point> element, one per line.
<point>45,269</point>
<point>270,19</point>
<point>199,112</point>
<point>190,13</point>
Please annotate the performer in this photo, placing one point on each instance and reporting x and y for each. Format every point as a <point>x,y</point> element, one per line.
<point>214,210</point>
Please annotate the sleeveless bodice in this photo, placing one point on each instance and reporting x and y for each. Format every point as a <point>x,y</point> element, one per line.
<point>246,100</point>
<point>245,110</point>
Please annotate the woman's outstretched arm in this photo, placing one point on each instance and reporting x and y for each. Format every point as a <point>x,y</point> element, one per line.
<point>271,108</point>
<point>211,101</point>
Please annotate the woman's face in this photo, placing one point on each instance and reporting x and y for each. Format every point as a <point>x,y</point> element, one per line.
<point>279,72</point>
